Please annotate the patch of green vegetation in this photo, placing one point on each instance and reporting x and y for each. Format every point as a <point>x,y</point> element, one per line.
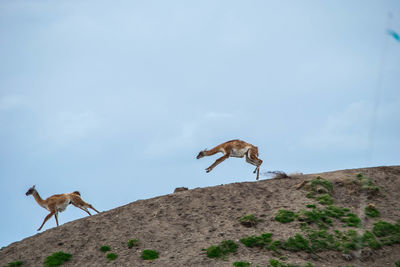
<point>321,182</point>
<point>310,195</point>
<point>322,217</point>
<point>350,240</point>
<point>369,240</point>
<point>397,263</point>
<point>14,264</point>
<point>276,263</point>
<point>321,190</point>
<point>321,240</point>
<point>257,241</point>
<point>149,254</point>
<point>311,206</point>
<point>284,216</point>
<point>325,199</point>
<point>133,243</point>
<point>335,212</point>
<point>296,243</point>
<point>317,216</point>
<point>105,248</point>
<point>387,233</point>
<point>242,264</point>
<point>224,248</point>
<point>249,220</point>
<point>111,256</point>
<point>351,220</point>
<point>382,229</point>
<point>56,259</point>
<point>371,211</point>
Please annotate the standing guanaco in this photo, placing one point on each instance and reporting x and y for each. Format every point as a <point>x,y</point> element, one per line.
<point>234,148</point>
<point>58,203</point>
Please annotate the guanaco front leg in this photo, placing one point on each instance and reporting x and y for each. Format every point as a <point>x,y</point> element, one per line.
<point>90,206</point>
<point>218,161</point>
<point>45,220</point>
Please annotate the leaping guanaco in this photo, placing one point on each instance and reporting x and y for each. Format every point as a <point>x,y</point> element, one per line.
<point>58,203</point>
<point>234,148</point>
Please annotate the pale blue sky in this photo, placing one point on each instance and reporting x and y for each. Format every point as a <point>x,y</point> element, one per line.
<point>116,98</point>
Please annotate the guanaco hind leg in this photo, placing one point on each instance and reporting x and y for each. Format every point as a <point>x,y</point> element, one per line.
<point>77,201</point>
<point>252,158</point>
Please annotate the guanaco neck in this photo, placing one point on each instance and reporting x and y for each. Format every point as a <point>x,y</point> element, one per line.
<point>38,199</point>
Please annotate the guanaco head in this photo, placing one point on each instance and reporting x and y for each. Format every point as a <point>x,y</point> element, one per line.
<point>201,154</point>
<point>30,191</point>
<point>76,193</point>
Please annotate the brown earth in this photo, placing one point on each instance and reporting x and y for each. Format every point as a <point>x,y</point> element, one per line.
<point>179,225</point>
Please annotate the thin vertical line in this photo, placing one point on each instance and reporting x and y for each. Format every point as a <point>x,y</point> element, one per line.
<point>377,97</point>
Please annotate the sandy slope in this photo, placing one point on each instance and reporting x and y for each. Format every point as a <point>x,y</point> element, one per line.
<point>179,225</point>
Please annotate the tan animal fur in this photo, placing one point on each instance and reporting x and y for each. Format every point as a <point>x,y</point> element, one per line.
<point>58,203</point>
<point>234,148</point>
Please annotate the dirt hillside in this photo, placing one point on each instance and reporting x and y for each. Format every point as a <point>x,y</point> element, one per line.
<point>181,226</point>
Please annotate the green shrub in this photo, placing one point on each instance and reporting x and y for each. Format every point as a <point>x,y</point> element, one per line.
<point>325,199</point>
<point>111,256</point>
<point>382,229</point>
<point>249,220</point>
<point>257,241</point>
<point>56,259</point>
<point>224,248</point>
<point>284,216</point>
<point>105,248</point>
<point>274,245</point>
<point>241,264</point>
<point>276,263</point>
<point>296,243</point>
<point>133,243</point>
<point>371,211</point>
<point>228,246</point>
<point>14,264</point>
<point>149,254</point>
<point>352,220</point>
<point>317,216</point>
<point>335,212</point>
<point>320,240</point>
<point>369,240</point>
<point>311,206</point>
<point>321,182</point>
<point>351,240</point>
<point>397,263</point>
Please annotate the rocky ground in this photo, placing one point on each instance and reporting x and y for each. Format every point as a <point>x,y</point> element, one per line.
<point>181,224</point>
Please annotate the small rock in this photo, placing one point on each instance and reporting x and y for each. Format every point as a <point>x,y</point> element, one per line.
<point>366,253</point>
<point>347,257</point>
<point>180,189</point>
